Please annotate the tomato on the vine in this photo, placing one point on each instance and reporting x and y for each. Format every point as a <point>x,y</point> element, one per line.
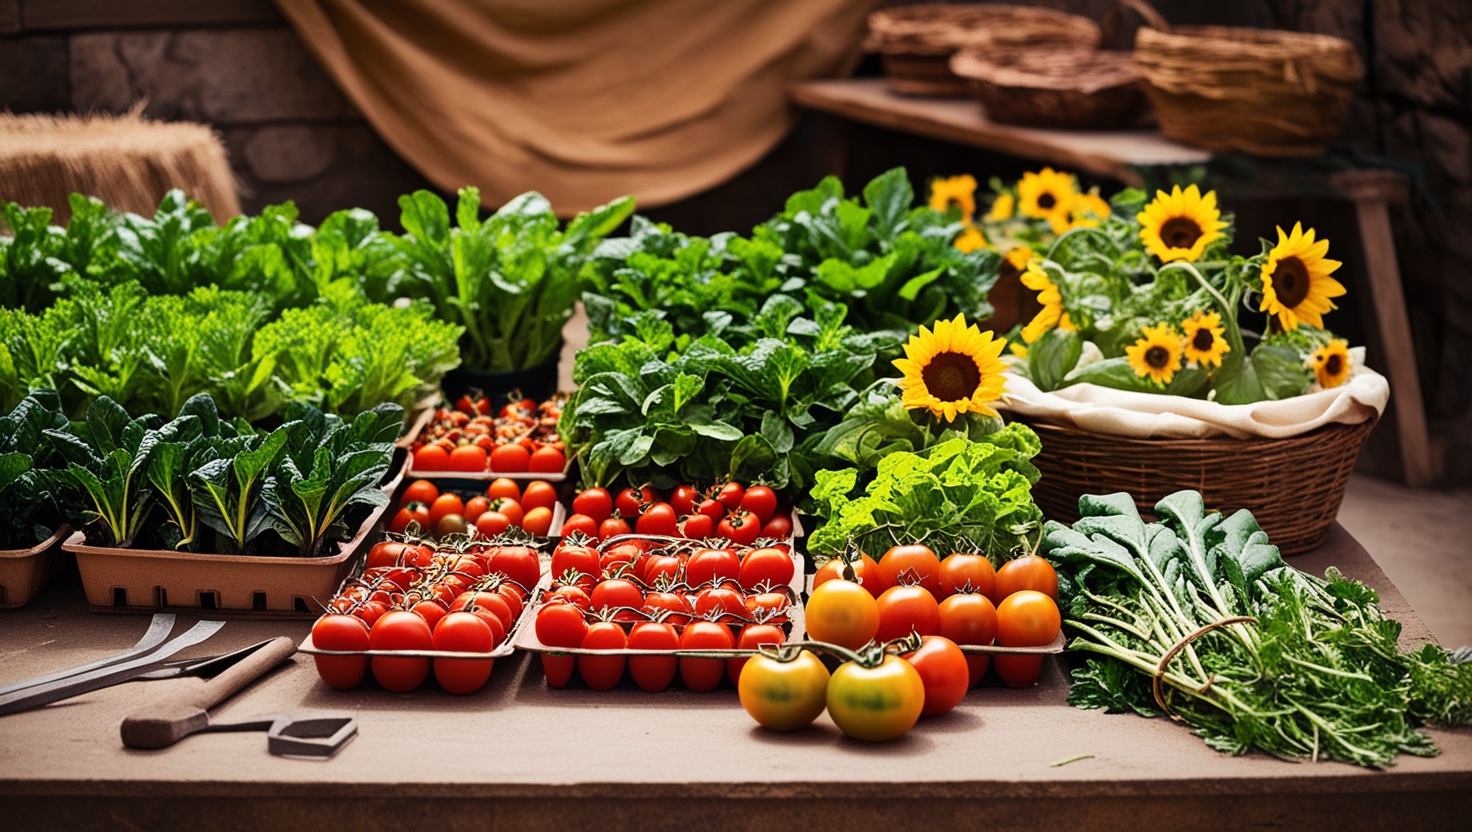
<point>730,495</point>
<point>492,523</point>
<point>580,559</point>
<point>684,499</point>
<point>842,612</point>
<point>596,503</point>
<point>942,667</point>
<point>712,509</point>
<point>653,673</point>
<point>463,632</point>
<point>739,527</point>
<point>970,618</point>
<point>517,563</point>
<point>658,519</point>
<point>712,566</point>
<point>784,696</point>
<point>345,633</point>
<point>876,703</point>
<point>752,637</point>
<point>580,523</point>
<point>602,672</point>
<point>866,569</point>
<point>761,501</point>
<point>1026,572</point>
<point>767,566</point>
<point>697,527</point>
<point>631,501</point>
<point>612,527</point>
<point>704,674</point>
<point>778,527</point>
<point>966,573</point>
<point>911,564</point>
<point>616,592</point>
<point>400,630</point>
<point>906,609</point>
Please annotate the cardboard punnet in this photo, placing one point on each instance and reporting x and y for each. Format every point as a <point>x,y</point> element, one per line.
<point>25,572</point>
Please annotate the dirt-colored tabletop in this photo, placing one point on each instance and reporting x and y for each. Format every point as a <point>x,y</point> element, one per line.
<point>520,755</point>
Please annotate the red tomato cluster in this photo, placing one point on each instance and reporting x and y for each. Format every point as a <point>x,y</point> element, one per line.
<point>960,598</point>
<point>646,594</point>
<point>416,596</point>
<point>468,439</point>
<point>731,511</point>
<point>425,510</point>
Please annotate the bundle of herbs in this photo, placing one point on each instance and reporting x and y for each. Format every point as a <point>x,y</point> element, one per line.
<point>1197,615</point>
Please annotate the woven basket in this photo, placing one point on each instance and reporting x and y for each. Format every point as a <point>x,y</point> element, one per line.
<point>916,42</point>
<point>1266,92</point>
<point>1055,86</point>
<point>1292,486</point>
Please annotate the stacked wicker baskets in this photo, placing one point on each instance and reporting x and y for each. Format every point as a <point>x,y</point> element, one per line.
<point>1069,87</point>
<point>917,42</point>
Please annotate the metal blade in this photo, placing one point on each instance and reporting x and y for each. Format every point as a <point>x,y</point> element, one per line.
<point>204,667</point>
<point>25,700</point>
<point>158,630</point>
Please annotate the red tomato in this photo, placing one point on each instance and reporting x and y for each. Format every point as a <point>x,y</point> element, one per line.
<point>538,494</point>
<point>501,487</point>
<point>720,602</point>
<point>488,601</point>
<point>416,513</point>
<point>653,673</point>
<point>970,618</point>
<point>752,636</point>
<point>596,503</point>
<point>915,563</point>
<point>768,607</point>
<point>468,458</point>
<point>560,625</point>
<point>761,501</point>
<point>445,504</point>
<point>966,573</point>
<point>492,523</point>
<point>632,502</point>
<point>658,519</point>
<point>1026,618</point>
<point>1026,572</point>
<point>730,495</point>
<point>739,527</point>
<point>704,674</point>
<point>580,523</point>
<point>547,460</point>
<point>518,563</point>
<point>341,632</point>
<point>697,527</point>
<point>620,558</point>
<point>419,491</point>
<point>394,553</point>
<point>475,507</point>
<point>661,570</point>
<point>612,527</point>
<point>431,610</point>
<point>942,667</point>
<point>580,560</point>
<point>602,672</point>
<point>616,592</point>
<point>676,609</point>
<point>462,632</point>
<point>400,630</point>
<point>684,499</point>
<point>779,527</point>
<point>767,567</point>
<point>712,509</point>
<point>712,566</point>
<point>538,521</point>
<point>903,609</point>
<point>867,571</point>
<point>510,459</point>
<point>431,458</point>
<point>574,595</point>
<point>510,509</point>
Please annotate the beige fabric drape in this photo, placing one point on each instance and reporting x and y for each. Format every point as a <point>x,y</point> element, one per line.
<point>582,100</point>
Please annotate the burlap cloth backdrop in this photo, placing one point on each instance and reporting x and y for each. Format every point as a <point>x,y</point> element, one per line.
<point>582,100</point>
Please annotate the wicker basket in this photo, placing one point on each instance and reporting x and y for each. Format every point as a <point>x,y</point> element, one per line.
<point>916,42</point>
<point>1292,486</point>
<point>1266,92</point>
<point>1070,87</point>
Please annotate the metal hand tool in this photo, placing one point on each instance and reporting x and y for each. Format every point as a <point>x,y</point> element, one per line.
<point>158,630</point>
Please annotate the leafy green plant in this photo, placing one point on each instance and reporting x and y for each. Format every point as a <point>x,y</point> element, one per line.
<point>32,496</point>
<point>510,280</point>
<point>107,456</point>
<point>228,490</point>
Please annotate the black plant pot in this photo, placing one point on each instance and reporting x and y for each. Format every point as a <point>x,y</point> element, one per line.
<point>539,382</point>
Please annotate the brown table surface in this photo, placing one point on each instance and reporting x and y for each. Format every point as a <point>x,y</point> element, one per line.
<point>1112,153</point>
<point>551,758</point>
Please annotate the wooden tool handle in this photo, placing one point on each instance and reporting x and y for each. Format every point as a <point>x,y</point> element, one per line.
<point>166,722</point>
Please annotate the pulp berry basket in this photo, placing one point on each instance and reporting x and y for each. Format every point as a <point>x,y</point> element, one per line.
<point>25,572</point>
<point>1292,486</point>
<point>1066,87</point>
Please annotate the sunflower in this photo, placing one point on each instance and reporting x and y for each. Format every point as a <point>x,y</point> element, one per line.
<point>1332,364</point>
<point>1085,211</point>
<point>1203,339</point>
<point>1295,280</point>
<point>1002,207</point>
<point>957,190</point>
<point>1156,354</point>
<point>970,240</point>
<point>1181,224</point>
<point>1012,265</point>
<point>1045,193</point>
<point>1019,350</point>
<point>953,370</point>
<point>1050,298</point>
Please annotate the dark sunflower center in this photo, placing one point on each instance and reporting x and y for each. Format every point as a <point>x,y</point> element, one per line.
<point>1158,357</point>
<point>1180,232</point>
<point>1046,201</point>
<point>1334,365</point>
<point>1203,339</point>
<point>1290,281</point>
<point>1007,271</point>
<point>951,376</point>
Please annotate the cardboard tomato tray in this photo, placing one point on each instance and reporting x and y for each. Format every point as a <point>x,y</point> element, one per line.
<point>25,572</point>
<point>125,579</point>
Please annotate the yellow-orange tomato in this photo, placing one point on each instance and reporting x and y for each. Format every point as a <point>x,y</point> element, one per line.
<point>843,613</point>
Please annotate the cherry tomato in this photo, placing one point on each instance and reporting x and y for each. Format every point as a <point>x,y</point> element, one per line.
<point>867,570</point>
<point>431,610</point>
<point>468,458</point>
<point>784,696</point>
<point>903,609</point>
<point>966,573</point>
<point>431,458</point>
<point>612,527</point>
<point>842,612</point>
<point>876,703</point>
<point>580,559</point>
<point>510,459</point>
<point>580,523</point>
<point>752,637</point>
<point>675,609</point>
<point>712,509</point>
<point>574,595</point>
<point>661,569</point>
<point>761,501</point>
<point>450,524</point>
<point>538,494</point>
<point>489,601</point>
<point>712,566</point>
<point>400,630</point>
<point>538,521</point>
<point>443,505</point>
<point>768,607</point>
<point>1026,618</point>
<point>730,495</point>
<point>501,487</point>
<point>419,491</point>
<point>616,592</point>
<point>560,625</point>
<point>684,499</point>
<point>970,618</point>
<point>942,667</point>
<point>719,602</point>
<point>704,674</point>
<point>475,507</point>
<point>653,673</point>
<point>547,460</point>
<point>492,523</point>
<point>602,672</point>
<point>414,513</point>
<point>779,526</point>
<point>596,503</point>
<point>915,563</point>
<point>697,527</point>
<point>394,553</point>
<point>517,563</point>
<point>510,509</point>
<point>739,527</point>
<point>766,567</point>
<point>462,632</point>
<point>658,519</point>
<point>341,632</point>
<point>631,502</point>
<point>1026,572</point>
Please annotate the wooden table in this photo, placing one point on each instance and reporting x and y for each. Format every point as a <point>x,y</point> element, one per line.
<point>1119,154</point>
<point>518,755</point>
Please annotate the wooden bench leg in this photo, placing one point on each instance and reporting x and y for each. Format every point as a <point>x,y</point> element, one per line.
<point>1372,191</point>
